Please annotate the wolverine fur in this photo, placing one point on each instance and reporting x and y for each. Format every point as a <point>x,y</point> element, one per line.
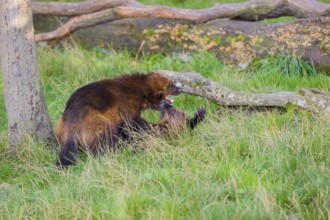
<point>94,113</point>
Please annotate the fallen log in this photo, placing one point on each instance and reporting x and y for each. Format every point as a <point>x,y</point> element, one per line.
<point>248,10</point>
<point>165,29</point>
<point>194,84</point>
<point>110,10</point>
<point>235,42</point>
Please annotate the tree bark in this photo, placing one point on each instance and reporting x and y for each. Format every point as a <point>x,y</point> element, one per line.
<point>25,105</point>
<point>194,84</point>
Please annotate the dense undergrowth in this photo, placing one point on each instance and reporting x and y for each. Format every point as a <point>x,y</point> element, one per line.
<point>236,164</point>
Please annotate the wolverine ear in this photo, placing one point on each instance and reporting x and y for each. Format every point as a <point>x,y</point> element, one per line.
<point>158,94</point>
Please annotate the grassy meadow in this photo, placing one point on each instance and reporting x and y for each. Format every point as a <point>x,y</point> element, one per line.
<point>237,164</point>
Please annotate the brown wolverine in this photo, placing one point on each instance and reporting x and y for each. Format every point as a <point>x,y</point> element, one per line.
<point>171,121</point>
<point>94,112</point>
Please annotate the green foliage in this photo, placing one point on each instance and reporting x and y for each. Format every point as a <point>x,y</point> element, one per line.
<point>235,165</point>
<point>284,65</point>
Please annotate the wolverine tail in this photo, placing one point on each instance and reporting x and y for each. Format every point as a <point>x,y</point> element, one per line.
<point>198,118</point>
<point>68,153</point>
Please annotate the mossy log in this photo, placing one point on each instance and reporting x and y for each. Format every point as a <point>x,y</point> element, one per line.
<point>235,42</point>
<point>194,84</point>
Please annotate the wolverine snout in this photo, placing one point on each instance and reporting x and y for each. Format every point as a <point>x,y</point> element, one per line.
<point>174,90</point>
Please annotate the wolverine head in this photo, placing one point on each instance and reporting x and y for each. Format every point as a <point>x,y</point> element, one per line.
<point>160,88</point>
<point>170,116</point>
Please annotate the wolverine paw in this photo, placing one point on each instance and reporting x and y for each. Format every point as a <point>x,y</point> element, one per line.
<point>200,113</point>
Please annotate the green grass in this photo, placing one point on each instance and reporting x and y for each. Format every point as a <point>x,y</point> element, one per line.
<point>278,20</point>
<point>235,165</point>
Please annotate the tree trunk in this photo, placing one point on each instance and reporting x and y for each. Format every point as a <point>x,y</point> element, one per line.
<point>25,105</point>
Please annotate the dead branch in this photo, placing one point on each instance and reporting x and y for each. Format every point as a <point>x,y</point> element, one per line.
<point>194,84</point>
<point>250,10</point>
<point>234,42</point>
<point>77,23</point>
<point>79,8</point>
